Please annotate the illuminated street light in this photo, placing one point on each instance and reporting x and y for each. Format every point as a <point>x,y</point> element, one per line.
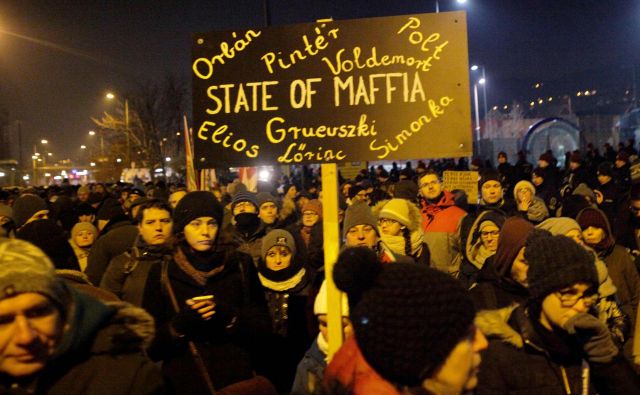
<point>111,96</point>
<point>49,153</point>
<point>44,141</point>
<point>474,67</point>
<point>167,159</point>
<point>93,164</point>
<point>83,147</point>
<point>118,160</point>
<point>92,133</point>
<point>481,81</point>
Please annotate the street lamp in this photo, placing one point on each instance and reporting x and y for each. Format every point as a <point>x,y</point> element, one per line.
<point>457,1</point>
<point>93,133</point>
<point>111,96</point>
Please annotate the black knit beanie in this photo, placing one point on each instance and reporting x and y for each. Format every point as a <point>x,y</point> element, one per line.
<point>557,262</point>
<point>51,239</point>
<point>245,196</point>
<point>25,206</point>
<point>489,175</point>
<point>407,318</point>
<point>195,205</point>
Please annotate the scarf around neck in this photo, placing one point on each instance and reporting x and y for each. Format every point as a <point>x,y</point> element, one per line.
<point>397,243</point>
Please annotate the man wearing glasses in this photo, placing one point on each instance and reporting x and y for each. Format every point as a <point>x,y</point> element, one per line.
<point>441,220</point>
<point>555,342</point>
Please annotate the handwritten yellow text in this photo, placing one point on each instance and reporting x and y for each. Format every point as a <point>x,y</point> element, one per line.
<point>364,90</point>
<point>296,153</point>
<point>373,60</point>
<point>220,136</point>
<point>276,133</point>
<point>272,59</point>
<point>240,101</point>
<point>436,109</point>
<point>417,38</point>
<point>203,67</point>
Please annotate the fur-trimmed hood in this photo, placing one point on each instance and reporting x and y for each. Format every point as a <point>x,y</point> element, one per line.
<point>494,324</point>
<point>104,328</point>
<point>414,214</point>
<point>473,239</point>
<point>130,329</point>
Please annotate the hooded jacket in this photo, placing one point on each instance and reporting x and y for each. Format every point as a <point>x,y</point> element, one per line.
<point>441,226</point>
<point>101,352</point>
<point>474,253</point>
<point>543,366</point>
<point>496,288</point>
<point>621,268</point>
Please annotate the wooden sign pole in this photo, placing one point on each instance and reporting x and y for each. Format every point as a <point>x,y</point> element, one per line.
<point>331,249</point>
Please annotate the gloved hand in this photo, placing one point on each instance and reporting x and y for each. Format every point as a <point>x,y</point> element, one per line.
<point>186,321</point>
<point>594,336</point>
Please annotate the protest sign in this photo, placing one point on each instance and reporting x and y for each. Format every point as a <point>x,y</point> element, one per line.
<point>332,91</point>
<point>465,180</point>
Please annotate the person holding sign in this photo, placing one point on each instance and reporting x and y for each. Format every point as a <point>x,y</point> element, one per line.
<point>441,220</point>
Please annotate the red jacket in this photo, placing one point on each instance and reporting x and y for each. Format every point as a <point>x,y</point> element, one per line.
<point>443,216</point>
<point>348,369</point>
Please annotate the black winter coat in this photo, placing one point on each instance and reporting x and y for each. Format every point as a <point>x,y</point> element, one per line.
<point>492,292</point>
<point>522,363</point>
<point>227,342</point>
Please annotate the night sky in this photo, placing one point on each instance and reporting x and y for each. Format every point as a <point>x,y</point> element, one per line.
<point>53,78</point>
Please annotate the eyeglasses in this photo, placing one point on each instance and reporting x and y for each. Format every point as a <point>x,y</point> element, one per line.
<point>493,233</point>
<point>570,297</point>
<point>387,221</point>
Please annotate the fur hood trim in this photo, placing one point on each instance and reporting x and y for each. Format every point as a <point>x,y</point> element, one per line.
<point>130,329</point>
<point>494,324</point>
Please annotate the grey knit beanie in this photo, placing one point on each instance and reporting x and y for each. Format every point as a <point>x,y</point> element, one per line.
<point>25,268</point>
<point>359,213</point>
<point>278,237</point>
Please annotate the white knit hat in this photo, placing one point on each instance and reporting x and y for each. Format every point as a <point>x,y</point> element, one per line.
<point>320,305</point>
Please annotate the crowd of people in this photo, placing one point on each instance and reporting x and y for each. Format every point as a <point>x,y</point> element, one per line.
<point>144,289</point>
